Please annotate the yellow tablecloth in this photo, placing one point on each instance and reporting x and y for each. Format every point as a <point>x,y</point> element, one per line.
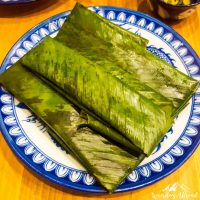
<point>19,183</point>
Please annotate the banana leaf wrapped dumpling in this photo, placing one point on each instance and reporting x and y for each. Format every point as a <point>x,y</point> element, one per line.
<point>108,163</point>
<point>138,119</point>
<point>93,41</point>
<point>105,30</point>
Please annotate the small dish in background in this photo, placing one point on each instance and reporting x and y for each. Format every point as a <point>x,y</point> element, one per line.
<point>173,9</point>
<point>7,2</point>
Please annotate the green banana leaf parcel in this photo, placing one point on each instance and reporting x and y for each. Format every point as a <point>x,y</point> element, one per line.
<point>97,124</point>
<point>104,29</point>
<point>87,84</point>
<point>108,163</point>
<point>94,41</point>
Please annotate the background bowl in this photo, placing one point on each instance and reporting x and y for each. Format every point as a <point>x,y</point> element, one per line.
<point>169,11</point>
<point>14,2</point>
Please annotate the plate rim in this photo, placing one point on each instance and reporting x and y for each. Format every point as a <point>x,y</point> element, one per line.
<point>35,170</point>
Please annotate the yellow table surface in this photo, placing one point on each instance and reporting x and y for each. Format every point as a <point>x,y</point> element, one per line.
<point>17,182</point>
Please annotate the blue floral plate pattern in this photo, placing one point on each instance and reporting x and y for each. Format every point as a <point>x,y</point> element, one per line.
<point>30,141</point>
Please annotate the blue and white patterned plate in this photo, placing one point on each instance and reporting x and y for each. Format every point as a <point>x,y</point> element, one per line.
<point>29,139</point>
<point>6,2</point>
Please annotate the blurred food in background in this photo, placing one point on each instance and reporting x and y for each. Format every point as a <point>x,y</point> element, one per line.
<point>173,9</point>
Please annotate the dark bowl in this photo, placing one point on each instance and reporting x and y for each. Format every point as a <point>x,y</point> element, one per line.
<point>15,2</point>
<point>169,11</point>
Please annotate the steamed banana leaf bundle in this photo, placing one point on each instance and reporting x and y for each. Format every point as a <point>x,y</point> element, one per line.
<point>104,29</point>
<point>97,124</point>
<point>99,52</point>
<point>92,89</point>
<point>108,163</point>
<point>137,61</point>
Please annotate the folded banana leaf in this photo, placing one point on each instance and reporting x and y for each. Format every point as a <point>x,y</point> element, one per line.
<point>102,158</point>
<point>97,124</point>
<point>138,119</point>
<point>99,51</point>
<point>143,65</point>
<point>104,29</point>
